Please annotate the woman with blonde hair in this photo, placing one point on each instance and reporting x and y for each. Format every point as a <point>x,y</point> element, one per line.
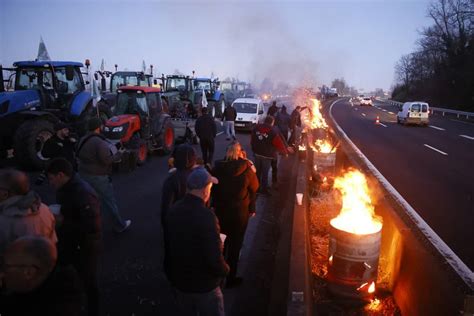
<point>234,200</point>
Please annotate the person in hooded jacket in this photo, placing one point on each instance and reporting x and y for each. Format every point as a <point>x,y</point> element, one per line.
<point>234,199</point>
<point>21,210</point>
<point>174,187</point>
<point>273,109</point>
<point>283,122</point>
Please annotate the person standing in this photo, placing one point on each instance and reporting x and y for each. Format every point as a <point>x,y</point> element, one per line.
<point>194,263</point>
<point>34,284</point>
<point>174,187</point>
<point>295,126</point>
<point>230,114</point>
<point>234,199</point>
<point>80,240</point>
<point>266,142</point>
<point>60,144</point>
<point>206,131</point>
<point>273,109</point>
<point>283,121</point>
<point>95,158</point>
<point>21,210</point>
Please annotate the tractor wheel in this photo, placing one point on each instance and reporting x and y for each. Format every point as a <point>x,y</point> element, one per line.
<point>29,140</point>
<point>221,106</point>
<point>167,138</point>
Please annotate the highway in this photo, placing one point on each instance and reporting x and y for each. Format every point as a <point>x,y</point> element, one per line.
<point>431,167</point>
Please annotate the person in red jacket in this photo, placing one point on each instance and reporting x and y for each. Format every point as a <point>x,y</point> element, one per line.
<point>267,142</point>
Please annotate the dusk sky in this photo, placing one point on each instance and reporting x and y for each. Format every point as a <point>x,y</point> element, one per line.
<point>293,41</point>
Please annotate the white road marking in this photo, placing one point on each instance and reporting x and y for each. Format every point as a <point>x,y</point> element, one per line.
<point>432,148</point>
<point>383,124</point>
<point>436,127</point>
<point>384,110</point>
<point>468,137</point>
<point>219,133</point>
<point>391,113</point>
<point>363,114</point>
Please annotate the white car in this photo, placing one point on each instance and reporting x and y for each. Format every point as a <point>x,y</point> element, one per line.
<point>414,113</point>
<point>366,101</point>
<point>249,112</point>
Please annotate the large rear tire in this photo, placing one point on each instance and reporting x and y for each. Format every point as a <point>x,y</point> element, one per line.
<point>167,138</point>
<point>29,140</point>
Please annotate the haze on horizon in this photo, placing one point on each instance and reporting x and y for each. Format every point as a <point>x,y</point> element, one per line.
<point>311,42</point>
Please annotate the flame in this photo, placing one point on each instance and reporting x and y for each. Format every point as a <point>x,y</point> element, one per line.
<point>374,305</point>
<point>357,215</point>
<point>330,259</point>
<point>323,146</point>
<point>317,120</point>
<point>302,147</point>
<point>371,288</point>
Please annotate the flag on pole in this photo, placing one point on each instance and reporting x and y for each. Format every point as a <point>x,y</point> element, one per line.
<point>42,51</point>
<point>95,93</point>
<point>204,100</point>
<point>102,65</point>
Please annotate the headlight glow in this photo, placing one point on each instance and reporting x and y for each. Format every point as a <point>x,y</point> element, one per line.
<point>117,129</point>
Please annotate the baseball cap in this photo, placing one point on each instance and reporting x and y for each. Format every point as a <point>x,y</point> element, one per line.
<point>199,178</point>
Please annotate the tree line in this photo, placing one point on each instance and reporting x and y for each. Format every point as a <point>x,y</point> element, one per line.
<point>441,69</point>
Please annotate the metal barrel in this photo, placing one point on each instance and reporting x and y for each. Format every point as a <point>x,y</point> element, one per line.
<point>352,263</point>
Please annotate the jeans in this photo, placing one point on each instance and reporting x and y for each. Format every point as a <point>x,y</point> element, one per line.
<point>232,246</point>
<point>274,165</point>
<point>202,304</point>
<point>230,129</point>
<point>108,204</point>
<point>263,166</point>
<point>207,149</point>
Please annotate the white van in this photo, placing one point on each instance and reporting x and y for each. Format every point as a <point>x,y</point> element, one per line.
<point>414,113</point>
<point>249,112</point>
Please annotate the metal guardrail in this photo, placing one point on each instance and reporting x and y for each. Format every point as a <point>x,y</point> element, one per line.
<point>458,114</point>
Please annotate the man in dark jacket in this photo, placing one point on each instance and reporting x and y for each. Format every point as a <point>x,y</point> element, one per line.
<point>206,131</point>
<point>60,144</point>
<point>273,109</point>
<point>234,199</point>
<point>266,142</point>
<point>194,263</point>
<point>33,284</point>
<point>96,157</point>
<point>283,121</point>
<point>174,187</point>
<point>79,235</point>
<point>229,116</point>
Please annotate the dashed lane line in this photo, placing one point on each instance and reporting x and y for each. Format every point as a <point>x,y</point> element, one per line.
<point>435,149</point>
<point>436,127</point>
<point>363,114</point>
<point>468,137</point>
<point>391,113</point>
<point>219,133</point>
<point>383,124</point>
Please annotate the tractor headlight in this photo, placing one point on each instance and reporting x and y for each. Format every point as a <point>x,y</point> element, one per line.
<point>117,129</point>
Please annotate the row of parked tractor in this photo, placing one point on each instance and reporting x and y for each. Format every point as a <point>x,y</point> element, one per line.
<point>141,113</point>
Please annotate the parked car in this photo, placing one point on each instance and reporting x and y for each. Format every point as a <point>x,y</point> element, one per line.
<point>249,112</point>
<point>366,101</point>
<point>414,113</point>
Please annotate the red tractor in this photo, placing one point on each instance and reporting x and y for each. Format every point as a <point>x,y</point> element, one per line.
<point>140,123</point>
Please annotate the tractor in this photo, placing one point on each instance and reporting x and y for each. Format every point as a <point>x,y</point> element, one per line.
<point>116,80</point>
<point>140,123</point>
<point>214,96</point>
<point>44,92</point>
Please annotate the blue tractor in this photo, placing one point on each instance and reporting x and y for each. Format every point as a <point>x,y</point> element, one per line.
<point>40,94</point>
<point>214,96</point>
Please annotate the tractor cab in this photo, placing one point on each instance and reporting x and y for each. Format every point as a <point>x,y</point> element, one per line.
<point>56,82</point>
<point>182,84</point>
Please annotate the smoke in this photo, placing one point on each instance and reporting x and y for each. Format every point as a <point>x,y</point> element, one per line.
<point>275,53</point>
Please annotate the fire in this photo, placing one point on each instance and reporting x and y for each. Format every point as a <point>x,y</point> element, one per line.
<point>357,215</point>
<point>323,146</point>
<point>371,288</point>
<point>302,147</point>
<point>317,120</point>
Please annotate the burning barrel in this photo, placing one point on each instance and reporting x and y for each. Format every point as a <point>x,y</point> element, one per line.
<point>354,240</point>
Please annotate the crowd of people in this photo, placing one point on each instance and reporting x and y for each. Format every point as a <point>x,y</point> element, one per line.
<point>54,252</point>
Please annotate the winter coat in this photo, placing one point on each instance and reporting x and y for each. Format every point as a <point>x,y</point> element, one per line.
<point>23,215</point>
<point>59,295</point>
<point>96,155</point>
<point>205,127</point>
<point>266,141</point>
<point>193,248</point>
<point>235,195</point>
<point>295,119</point>
<point>283,122</point>
<point>56,147</point>
<point>230,114</point>
<point>272,110</point>
<point>81,227</point>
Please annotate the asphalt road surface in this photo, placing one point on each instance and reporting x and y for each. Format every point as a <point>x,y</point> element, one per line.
<point>431,167</point>
<point>131,273</point>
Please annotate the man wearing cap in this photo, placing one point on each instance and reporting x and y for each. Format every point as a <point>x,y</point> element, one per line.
<point>206,131</point>
<point>194,263</point>
<point>60,145</point>
<point>95,157</point>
